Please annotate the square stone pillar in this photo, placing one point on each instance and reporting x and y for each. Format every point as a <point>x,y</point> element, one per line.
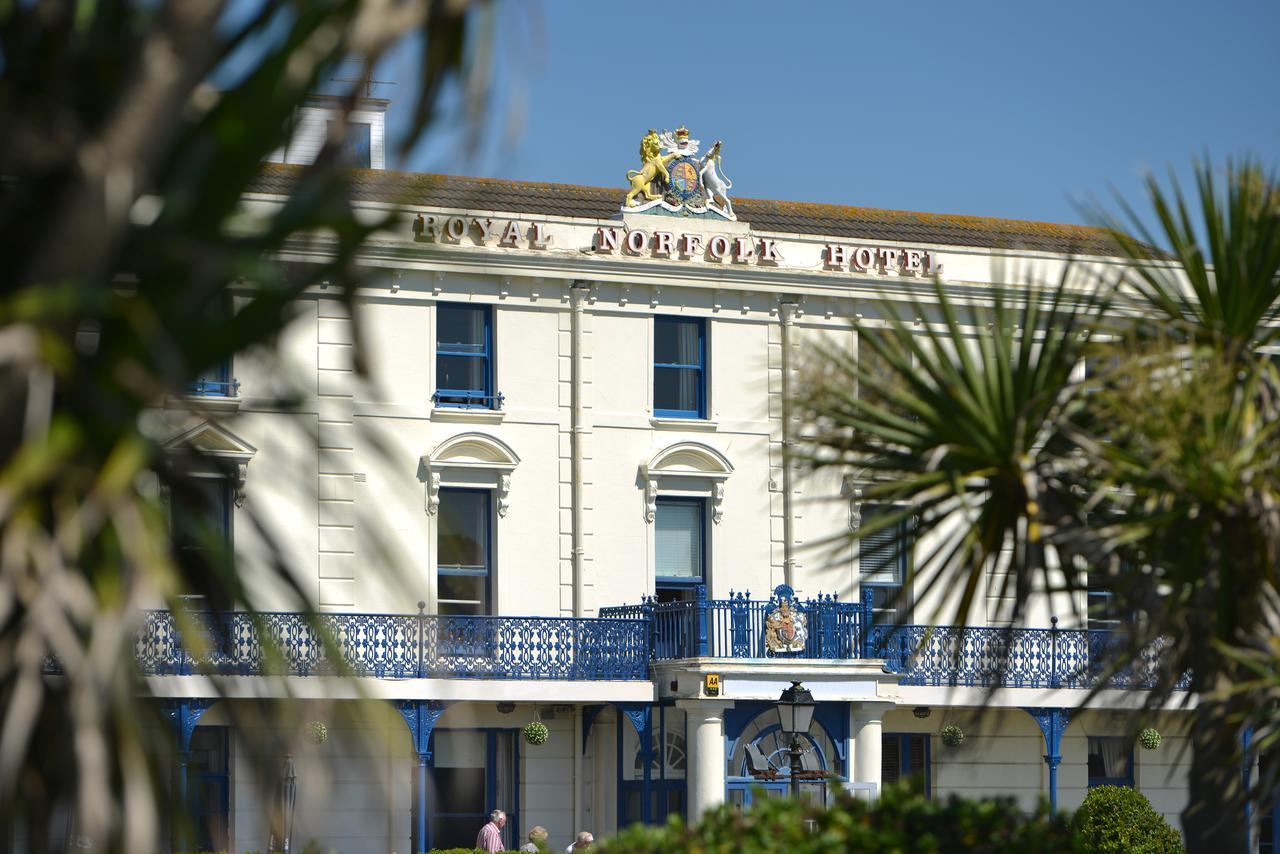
<point>705,768</point>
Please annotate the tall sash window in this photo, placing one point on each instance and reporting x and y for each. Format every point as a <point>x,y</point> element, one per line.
<point>679,362</point>
<point>882,560</point>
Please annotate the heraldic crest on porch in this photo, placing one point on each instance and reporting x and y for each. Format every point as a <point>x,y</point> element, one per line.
<point>785,626</point>
<point>672,177</point>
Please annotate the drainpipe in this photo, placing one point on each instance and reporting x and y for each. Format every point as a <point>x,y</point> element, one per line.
<point>577,769</point>
<point>786,309</point>
<point>578,292</point>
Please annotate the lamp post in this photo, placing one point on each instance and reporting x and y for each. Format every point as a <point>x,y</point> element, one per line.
<point>795,716</point>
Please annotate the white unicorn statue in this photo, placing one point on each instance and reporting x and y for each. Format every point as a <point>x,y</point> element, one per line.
<point>714,181</point>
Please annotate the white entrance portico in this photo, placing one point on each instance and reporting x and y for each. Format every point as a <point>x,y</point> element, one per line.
<point>856,693</point>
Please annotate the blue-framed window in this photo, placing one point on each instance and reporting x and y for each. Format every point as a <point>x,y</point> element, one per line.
<point>200,516</point>
<point>216,380</point>
<point>357,144</point>
<point>904,757</point>
<point>464,357</point>
<point>463,553</point>
<point>1102,612</point>
<point>209,790</point>
<point>883,560</point>
<point>1110,761</point>
<point>668,768</point>
<point>474,772</point>
<point>680,553</point>
<point>679,367</point>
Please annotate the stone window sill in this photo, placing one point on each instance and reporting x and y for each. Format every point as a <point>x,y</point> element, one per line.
<point>467,416</point>
<point>698,424</point>
<point>206,402</point>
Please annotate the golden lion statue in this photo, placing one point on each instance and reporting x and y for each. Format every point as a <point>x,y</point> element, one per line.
<point>652,164</point>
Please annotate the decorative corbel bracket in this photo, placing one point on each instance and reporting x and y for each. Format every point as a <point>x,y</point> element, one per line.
<point>717,501</point>
<point>433,493</point>
<point>504,490</point>
<point>850,490</point>
<point>242,476</point>
<point>650,498</point>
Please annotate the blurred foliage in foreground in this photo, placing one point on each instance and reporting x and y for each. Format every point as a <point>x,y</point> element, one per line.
<point>1123,423</point>
<point>900,821</point>
<point>129,132</point>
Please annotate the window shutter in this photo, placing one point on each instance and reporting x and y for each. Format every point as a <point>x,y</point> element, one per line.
<point>678,537</point>
<point>890,759</point>
<point>915,758</point>
<point>881,556</point>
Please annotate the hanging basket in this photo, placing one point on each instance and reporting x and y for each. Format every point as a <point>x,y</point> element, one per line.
<point>1149,738</point>
<point>316,732</point>
<point>536,733</point>
<point>952,736</point>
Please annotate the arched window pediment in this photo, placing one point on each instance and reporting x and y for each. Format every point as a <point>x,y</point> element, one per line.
<point>691,461</point>
<point>470,451</point>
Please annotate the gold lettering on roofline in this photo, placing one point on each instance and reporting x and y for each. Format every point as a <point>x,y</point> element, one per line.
<point>673,246</point>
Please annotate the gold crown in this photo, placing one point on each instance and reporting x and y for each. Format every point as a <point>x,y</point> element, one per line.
<point>682,132</point>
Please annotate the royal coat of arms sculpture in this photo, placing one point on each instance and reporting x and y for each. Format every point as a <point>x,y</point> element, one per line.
<point>785,626</point>
<point>672,177</point>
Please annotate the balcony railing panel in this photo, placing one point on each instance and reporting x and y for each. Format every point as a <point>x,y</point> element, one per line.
<point>398,646</point>
<point>994,657</point>
<point>735,627</point>
<point>943,656</point>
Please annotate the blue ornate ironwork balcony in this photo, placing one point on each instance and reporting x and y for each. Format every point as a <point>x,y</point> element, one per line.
<point>214,388</point>
<point>735,627</point>
<point>399,646</point>
<point>992,657</point>
<point>945,656</point>
<point>467,399</point>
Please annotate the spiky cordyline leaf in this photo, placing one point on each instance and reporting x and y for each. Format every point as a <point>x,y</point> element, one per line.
<point>957,426</point>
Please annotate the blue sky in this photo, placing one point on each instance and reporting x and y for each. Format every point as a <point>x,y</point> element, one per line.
<point>1000,109</point>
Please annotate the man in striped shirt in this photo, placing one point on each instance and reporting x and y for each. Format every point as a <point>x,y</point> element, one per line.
<point>490,838</point>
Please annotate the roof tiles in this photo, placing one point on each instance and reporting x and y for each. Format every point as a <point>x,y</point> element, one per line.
<point>570,200</point>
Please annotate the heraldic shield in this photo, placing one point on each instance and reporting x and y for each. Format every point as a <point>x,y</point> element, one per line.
<point>785,626</point>
<point>685,185</point>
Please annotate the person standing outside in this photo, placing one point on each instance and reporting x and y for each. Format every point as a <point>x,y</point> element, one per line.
<point>490,836</point>
<point>584,841</point>
<point>537,840</point>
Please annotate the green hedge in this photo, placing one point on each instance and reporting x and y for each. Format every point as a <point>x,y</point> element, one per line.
<point>899,822</point>
<point>1120,819</point>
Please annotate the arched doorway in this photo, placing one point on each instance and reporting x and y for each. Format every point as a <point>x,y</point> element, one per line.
<point>761,747</point>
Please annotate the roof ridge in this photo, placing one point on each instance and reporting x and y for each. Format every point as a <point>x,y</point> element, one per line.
<point>952,218</point>
<point>796,217</point>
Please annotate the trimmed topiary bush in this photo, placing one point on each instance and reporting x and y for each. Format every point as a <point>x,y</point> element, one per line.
<point>1121,820</point>
<point>1149,738</point>
<point>952,736</point>
<point>899,821</point>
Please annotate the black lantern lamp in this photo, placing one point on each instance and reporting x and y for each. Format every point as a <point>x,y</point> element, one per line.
<point>795,716</point>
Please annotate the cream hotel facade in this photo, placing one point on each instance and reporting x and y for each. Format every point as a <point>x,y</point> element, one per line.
<point>561,497</point>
